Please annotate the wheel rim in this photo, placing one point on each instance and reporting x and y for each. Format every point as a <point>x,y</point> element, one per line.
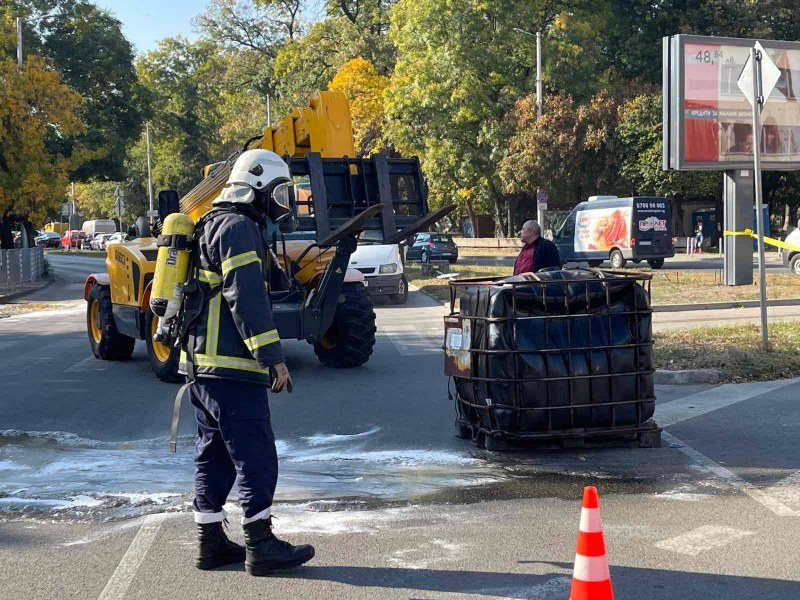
<point>401,289</point>
<point>160,350</point>
<point>615,261</point>
<point>424,257</point>
<point>797,267</point>
<point>94,321</point>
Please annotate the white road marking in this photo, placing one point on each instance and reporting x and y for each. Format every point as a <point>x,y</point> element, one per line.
<point>90,363</point>
<point>713,399</point>
<point>733,479</point>
<point>787,491</point>
<point>126,570</point>
<point>703,539</point>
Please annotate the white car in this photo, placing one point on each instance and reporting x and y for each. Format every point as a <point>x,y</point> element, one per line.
<point>99,241</point>
<point>114,238</point>
<point>382,267</point>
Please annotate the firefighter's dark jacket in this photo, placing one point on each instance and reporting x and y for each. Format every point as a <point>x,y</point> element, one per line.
<point>234,336</point>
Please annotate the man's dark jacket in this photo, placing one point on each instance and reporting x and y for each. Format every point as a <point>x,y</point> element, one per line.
<point>545,254</point>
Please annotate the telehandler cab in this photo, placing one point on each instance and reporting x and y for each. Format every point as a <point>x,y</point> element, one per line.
<point>317,298</point>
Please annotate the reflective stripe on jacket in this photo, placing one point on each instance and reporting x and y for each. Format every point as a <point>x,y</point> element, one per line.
<point>234,336</point>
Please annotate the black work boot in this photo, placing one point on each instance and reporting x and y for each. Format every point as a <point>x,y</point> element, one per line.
<point>266,553</point>
<point>214,548</point>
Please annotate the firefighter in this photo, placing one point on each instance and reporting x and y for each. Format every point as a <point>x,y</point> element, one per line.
<point>231,356</point>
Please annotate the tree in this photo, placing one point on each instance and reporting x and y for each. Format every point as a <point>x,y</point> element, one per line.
<point>459,71</point>
<point>96,200</point>
<point>183,80</point>
<point>363,86</point>
<point>571,150</point>
<point>95,59</point>
<point>37,114</point>
<point>640,134</point>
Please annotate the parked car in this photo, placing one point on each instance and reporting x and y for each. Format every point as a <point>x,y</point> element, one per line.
<point>433,246</point>
<point>72,239</point>
<point>48,239</point>
<point>791,258</point>
<point>86,242</point>
<point>618,230</point>
<point>114,238</point>
<point>99,241</point>
<point>382,267</point>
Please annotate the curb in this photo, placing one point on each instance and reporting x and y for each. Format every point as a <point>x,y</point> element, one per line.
<point>666,377</point>
<point>6,298</point>
<point>723,305</point>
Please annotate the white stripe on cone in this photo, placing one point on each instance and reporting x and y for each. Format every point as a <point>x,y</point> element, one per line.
<point>591,568</point>
<point>590,520</point>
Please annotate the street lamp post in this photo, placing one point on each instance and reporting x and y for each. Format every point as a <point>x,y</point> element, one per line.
<point>149,173</point>
<point>538,36</point>
<point>20,21</point>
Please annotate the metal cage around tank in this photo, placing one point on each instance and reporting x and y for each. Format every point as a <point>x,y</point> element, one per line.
<point>561,356</point>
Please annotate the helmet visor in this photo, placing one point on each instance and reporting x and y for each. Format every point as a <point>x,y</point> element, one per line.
<point>283,195</point>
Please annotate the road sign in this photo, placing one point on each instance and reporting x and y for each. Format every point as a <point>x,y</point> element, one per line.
<point>770,74</point>
<point>66,209</point>
<point>541,196</point>
<point>119,206</point>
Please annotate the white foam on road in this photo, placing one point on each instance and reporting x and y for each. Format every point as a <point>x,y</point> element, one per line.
<point>324,439</point>
<point>787,491</point>
<point>401,457</point>
<point>703,539</point>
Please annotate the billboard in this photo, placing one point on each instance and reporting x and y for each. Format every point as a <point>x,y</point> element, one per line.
<point>707,119</point>
<point>601,229</point>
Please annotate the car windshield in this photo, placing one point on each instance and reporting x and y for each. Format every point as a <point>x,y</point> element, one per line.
<point>370,238</point>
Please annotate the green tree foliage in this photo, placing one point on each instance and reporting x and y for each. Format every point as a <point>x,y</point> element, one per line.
<point>95,199</point>
<point>87,46</point>
<point>183,81</point>
<point>460,69</point>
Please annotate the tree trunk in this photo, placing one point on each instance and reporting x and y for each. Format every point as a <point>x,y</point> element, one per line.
<point>471,217</point>
<point>498,217</point>
<point>6,235</point>
<point>787,217</point>
<point>512,208</point>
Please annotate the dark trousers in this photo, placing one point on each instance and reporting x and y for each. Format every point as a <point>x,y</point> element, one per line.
<point>235,444</point>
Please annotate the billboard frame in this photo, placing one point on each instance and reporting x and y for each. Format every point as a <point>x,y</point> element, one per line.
<point>673,81</point>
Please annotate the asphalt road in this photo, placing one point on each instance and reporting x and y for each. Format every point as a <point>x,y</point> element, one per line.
<point>92,505</point>
<point>680,262</point>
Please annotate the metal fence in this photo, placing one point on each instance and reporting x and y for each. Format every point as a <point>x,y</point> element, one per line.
<point>21,267</point>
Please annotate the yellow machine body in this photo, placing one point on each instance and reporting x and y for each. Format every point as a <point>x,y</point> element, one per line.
<point>172,266</point>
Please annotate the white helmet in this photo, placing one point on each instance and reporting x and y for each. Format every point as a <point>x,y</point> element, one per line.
<point>262,171</point>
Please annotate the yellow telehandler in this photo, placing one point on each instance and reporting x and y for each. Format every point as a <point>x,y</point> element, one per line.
<point>320,300</point>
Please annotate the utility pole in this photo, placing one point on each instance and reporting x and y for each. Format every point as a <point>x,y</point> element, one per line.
<point>149,174</point>
<point>269,112</point>
<point>538,73</point>
<point>19,40</point>
<point>541,195</point>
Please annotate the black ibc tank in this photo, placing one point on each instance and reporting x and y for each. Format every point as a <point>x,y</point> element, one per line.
<point>560,353</point>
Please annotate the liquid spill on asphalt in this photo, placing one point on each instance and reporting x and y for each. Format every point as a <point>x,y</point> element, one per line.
<point>59,476</point>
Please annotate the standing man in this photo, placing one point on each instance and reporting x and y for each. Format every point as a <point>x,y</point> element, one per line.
<point>232,352</point>
<point>537,253</point>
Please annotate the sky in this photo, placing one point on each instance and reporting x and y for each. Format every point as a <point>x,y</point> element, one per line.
<point>144,22</point>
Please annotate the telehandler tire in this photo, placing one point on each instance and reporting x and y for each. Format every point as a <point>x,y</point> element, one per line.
<point>163,359</point>
<point>106,342</point>
<point>349,341</point>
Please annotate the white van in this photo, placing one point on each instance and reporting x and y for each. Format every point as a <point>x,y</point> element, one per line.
<point>791,257</point>
<point>382,267</point>
<point>99,226</point>
<point>618,230</point>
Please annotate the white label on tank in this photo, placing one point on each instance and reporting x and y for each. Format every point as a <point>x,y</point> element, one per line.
<point>454,338</point>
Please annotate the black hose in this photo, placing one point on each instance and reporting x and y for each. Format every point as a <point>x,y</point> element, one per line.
<point>250,141</point>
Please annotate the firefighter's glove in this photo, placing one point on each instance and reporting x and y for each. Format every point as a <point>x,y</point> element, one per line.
<point>281,378</point>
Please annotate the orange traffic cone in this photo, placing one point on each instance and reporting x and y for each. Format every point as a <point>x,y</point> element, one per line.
<point>591,579</point>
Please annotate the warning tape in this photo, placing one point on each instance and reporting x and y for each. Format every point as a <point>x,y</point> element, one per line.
<point>767,240</point>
